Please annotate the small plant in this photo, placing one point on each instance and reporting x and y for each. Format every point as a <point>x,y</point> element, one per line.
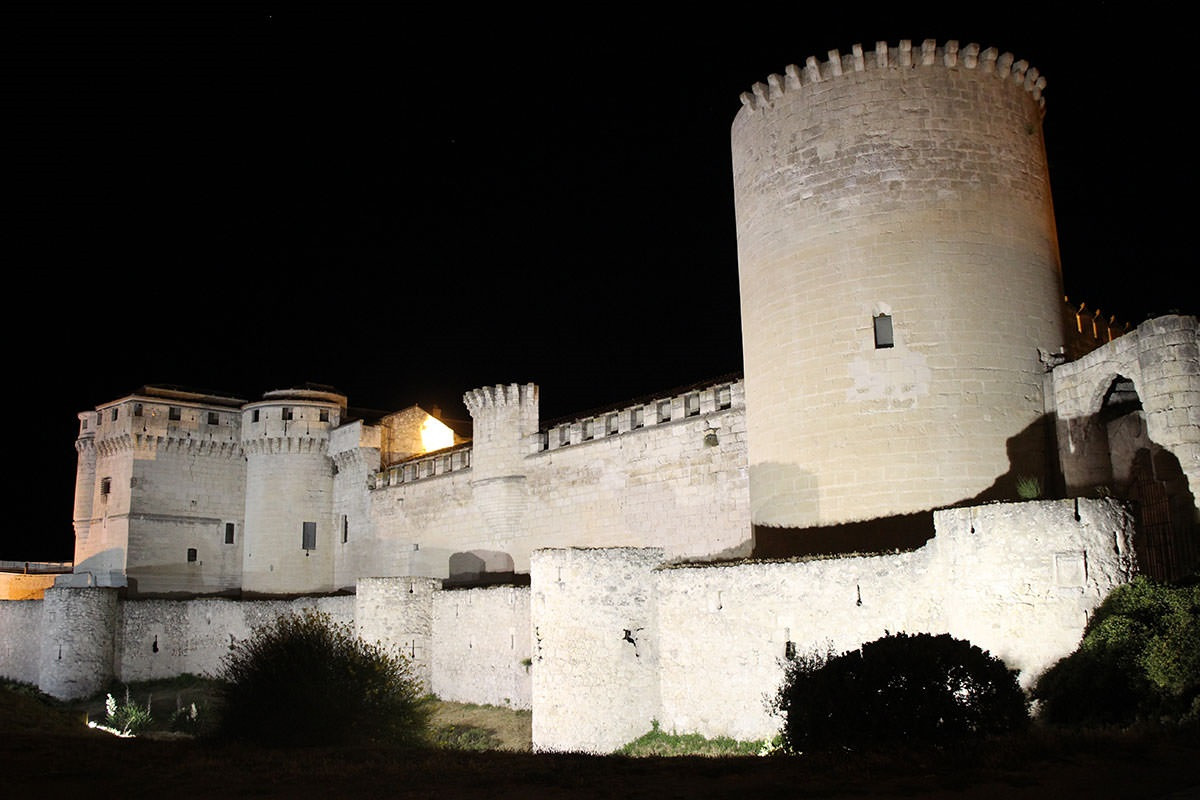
<point>657,742</point>
<point>1029,487</point>
<point>308,680</point>
<point>186,719</point>
<point>128,718</point>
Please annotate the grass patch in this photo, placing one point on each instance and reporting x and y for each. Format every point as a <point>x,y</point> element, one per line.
<point>658,742</point>
<point>468,726</point>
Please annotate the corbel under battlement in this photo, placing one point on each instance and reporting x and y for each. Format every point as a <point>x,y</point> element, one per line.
<point>949,56</point>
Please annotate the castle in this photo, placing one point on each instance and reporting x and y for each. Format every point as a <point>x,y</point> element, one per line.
<point>906,380</point>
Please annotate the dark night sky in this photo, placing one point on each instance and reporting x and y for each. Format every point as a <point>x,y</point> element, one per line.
<point>409,206</point>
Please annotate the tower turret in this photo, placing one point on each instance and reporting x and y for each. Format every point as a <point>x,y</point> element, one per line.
<point>899,270</point>
<point>290,529</point>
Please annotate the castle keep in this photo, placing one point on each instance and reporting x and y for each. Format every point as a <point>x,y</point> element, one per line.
<point>908,368</point>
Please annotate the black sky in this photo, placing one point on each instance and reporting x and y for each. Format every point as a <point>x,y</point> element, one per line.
<point>409,205</point>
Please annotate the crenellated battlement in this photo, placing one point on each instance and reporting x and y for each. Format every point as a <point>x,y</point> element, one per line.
<point>512,394</point>
<point>988,61</point>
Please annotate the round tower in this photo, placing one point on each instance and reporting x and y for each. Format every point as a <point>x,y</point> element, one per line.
<point>290,532</point>
<point>899,272</point>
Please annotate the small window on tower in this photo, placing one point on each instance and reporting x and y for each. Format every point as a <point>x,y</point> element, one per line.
<point>191,555</point>
<point>883,332</point>
<point>137,409</point>
<point>324,415</point>
<point>174,413</point>
<point>105,485</point>
<point>229,528</point>
<point>309,536</point>
<point>345,529</point>
<point>114,414</point>
<point>254,415</point>
<point>213,418</point>
<point>286,414</point>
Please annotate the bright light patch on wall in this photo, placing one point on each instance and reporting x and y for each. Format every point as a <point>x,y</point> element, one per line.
<point>435,435</point>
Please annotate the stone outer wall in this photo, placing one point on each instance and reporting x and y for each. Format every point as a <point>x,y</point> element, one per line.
<point>20,637</point>
<point>910,182</point>
<point>481,646</point>
<point>595,647</point>
<point>1019,580</point>
<point>163,638</point>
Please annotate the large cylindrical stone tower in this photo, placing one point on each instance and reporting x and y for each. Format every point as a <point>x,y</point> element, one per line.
<point>290,529</point>
<point>899,272</point>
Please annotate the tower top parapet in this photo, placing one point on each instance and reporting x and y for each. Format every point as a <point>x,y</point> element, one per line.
<point>989,61</point>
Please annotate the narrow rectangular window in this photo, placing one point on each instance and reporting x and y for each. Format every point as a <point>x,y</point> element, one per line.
<point>229,527</point>
<point>114,414</point>
<point>174,413</point>
<point>105,485</point>
<point>213,418</point>
<point>137,409</point>
<point>345,529</point>
<point>286,414</point>
<point>324,416</point>
<point>883,332</point>
<point>191,555</point>
<point>309,536</point>
<point>254,415</point>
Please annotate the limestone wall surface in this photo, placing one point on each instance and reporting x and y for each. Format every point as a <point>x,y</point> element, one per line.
<point>595,647</point>
<point>163,638</point>
<point>481,646</point>
<point>1018,579</point>
<point>671,475</point>
<point>20,637</point>
<point>905,185</point>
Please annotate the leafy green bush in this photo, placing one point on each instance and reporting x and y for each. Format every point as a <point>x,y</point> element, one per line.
<point>919,689</point>
<point>1139,660</point>
<point>307,680</point>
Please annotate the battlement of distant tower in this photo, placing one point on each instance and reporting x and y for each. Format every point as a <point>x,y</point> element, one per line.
<point>989,61</point>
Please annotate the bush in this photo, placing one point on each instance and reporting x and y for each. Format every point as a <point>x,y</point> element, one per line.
<point>919,689</point>
<point>307,680</point>
<point>1139,660</point>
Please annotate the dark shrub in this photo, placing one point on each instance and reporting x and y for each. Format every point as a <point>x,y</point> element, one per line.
<point>307,680</point>
<point>919,689</point>
<point>1139,660</point>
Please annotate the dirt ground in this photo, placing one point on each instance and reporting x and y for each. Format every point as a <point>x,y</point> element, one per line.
<point>48,751</point>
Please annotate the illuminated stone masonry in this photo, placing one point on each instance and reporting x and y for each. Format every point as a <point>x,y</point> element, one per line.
<point>907,365</point>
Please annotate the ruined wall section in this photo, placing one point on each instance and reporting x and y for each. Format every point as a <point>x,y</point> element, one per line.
<point>77,642</point>
<point>397,613</point>
<point>595,647</point>
<point>481,646</point>
<point>21,633</point>
<point>164,638</point>
<point>1019,580</point>
<point>1161,358</point>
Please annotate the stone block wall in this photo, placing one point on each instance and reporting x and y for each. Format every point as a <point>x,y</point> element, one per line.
<point>595,647</point>
<point>481,646</point>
